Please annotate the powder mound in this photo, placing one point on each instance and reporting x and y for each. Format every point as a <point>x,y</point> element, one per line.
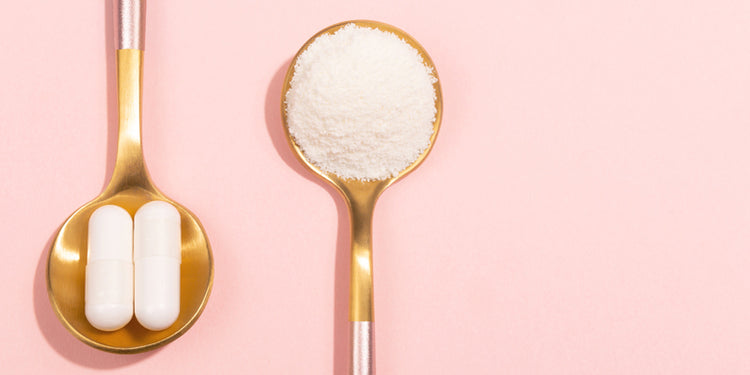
<point>361,103</point>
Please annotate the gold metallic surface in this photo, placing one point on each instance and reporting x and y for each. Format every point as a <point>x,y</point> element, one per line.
<point>360,197</point>
<point>129,188</point>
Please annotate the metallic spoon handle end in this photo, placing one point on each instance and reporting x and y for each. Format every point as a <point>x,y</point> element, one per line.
<point>130,23</point>
<point>362,361</point>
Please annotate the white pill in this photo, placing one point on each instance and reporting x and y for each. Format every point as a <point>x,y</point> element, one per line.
<point>157,254</point>
<point>108,294</point>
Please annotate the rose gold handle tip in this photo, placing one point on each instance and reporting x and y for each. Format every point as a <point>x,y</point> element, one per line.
<point>362,361</point>
<point>130,22</point>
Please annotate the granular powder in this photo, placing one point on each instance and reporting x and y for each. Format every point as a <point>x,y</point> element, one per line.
<point>361,103</point>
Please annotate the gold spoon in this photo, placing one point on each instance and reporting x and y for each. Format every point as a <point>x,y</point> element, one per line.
<point>130,187</point>
<point>360,197</point>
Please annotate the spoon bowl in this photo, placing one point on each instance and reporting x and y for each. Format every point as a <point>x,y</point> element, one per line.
<point>66,268</point>
<point>360,197</point>
<point>339,183</point>
<point>130,187</point>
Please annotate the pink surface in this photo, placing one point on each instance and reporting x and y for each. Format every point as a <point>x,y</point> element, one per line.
<point>584,211</point>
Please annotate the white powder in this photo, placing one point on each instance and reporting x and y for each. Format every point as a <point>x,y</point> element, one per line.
<point>361,103</point>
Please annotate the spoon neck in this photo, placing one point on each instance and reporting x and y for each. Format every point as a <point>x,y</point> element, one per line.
<point>361,280</point>
<point>130,168</point>
<point>361,199</point>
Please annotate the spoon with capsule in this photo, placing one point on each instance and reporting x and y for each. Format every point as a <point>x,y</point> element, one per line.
<point>130,187</point>
<point>360,197</point>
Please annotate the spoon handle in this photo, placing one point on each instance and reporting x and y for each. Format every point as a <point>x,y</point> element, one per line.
<point>130,22</point>
<point>130,168</point>
<point>361,314</point>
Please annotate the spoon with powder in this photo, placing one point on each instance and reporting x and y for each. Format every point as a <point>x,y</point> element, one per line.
<point>361,107</point>
<point>130,188</point>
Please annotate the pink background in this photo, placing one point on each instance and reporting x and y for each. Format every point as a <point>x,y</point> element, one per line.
<point>585,209</point>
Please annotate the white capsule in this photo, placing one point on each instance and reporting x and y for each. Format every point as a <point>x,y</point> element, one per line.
<point>157,254</point>
<point>108,294</point>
